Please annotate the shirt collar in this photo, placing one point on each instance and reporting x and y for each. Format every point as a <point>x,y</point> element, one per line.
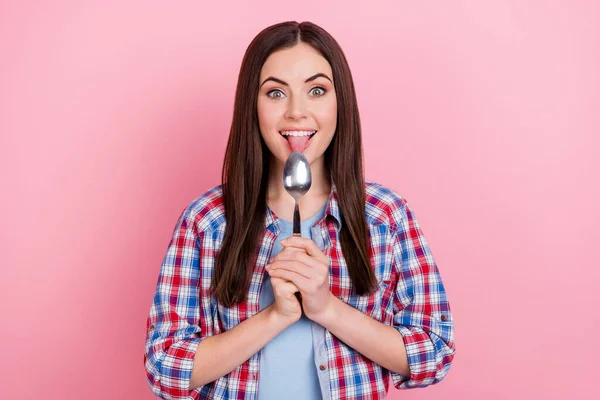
<point>331,210</point>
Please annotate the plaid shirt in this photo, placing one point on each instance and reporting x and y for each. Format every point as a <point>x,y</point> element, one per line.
<point>411,298</point>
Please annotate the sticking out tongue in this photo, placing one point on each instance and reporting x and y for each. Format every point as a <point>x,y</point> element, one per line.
<point>298,143</point>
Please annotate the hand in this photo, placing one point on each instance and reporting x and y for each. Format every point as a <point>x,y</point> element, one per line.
<point>302,263</point>
<point>286,306</point>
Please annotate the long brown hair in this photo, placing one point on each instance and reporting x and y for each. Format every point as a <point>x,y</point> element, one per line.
<point>246,167</point>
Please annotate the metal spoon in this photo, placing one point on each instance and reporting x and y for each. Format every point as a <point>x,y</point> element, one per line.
<point>296,180</point>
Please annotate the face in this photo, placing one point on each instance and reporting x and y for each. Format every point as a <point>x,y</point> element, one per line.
<point>297,101</point>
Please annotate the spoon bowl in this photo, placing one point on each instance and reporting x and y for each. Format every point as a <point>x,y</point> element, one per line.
<point>297,180</point>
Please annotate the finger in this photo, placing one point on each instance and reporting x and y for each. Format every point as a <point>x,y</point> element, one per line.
<point>293,249</point>
<point>307,244</point>
<point>300,281</point>
<point>302,257</point>
<point>283,286</point>
<point>286,252</point>
<point>292,266</point>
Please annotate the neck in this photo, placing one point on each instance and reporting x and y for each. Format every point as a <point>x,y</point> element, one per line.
<point>319,188</point>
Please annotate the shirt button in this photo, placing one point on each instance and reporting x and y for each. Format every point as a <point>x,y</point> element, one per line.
<point>322,367</point>
<point>252,375</point>
<point>444,317</point>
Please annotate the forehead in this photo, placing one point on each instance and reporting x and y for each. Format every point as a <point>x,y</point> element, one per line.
<point>295,64</point>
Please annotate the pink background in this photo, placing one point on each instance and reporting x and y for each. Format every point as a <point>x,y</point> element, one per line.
<point>484,115</point>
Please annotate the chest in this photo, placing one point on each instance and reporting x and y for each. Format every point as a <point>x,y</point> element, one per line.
<point>378,304</point>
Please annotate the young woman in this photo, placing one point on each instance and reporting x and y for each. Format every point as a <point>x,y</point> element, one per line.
<point>225,323</point>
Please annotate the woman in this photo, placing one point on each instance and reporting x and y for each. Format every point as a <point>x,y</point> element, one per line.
<point>225,323</point>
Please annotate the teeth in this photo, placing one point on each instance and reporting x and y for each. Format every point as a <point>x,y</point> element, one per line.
<point>297,133</point>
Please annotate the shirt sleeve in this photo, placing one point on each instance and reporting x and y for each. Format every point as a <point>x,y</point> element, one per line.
<point>421,310</point>
<point>173,327</point>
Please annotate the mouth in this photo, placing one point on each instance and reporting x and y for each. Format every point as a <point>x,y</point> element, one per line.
<point>298,140</point>
<point>287,134</point>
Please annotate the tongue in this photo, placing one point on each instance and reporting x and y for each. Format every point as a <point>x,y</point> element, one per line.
<point>298,143</point>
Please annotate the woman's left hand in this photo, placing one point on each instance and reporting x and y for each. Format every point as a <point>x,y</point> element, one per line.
<point>306,266</point>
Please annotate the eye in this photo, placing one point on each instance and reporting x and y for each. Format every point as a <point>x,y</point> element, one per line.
<point>275,94</point>
<point>317,91</point>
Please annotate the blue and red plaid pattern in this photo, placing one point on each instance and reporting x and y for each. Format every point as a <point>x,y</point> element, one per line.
<point>411,297</point>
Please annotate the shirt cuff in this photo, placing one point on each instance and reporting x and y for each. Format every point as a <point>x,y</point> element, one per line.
<point>176,367</point>
<point>421,359</point>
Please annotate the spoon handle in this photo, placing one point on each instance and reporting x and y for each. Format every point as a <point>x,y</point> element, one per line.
<point>297,232</point>
<point>299,297</point>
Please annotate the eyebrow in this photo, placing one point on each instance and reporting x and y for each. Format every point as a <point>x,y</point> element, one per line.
<point>312,78</point>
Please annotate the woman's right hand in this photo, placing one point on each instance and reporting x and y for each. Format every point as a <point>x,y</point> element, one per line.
<point>286,306</point>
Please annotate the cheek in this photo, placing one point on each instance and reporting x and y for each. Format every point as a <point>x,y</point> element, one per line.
<point>327,115</point>
<point>266,114</point>
<point>261,112</point>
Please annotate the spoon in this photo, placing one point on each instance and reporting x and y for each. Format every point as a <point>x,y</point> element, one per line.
<point>296,181</point>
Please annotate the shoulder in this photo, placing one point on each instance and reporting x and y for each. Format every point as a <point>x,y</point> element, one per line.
<point>206,212</point>
<point>385,206</point>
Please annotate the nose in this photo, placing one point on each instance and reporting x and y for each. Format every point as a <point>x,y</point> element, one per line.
<point>296,108</point>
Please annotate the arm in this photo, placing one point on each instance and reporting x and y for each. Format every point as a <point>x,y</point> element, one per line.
<point>379,342</point>
<point>218,355</point>
<point>419,348</point>
<point>181,352</point>
<point>422,312</point>
<point>177,321</point>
